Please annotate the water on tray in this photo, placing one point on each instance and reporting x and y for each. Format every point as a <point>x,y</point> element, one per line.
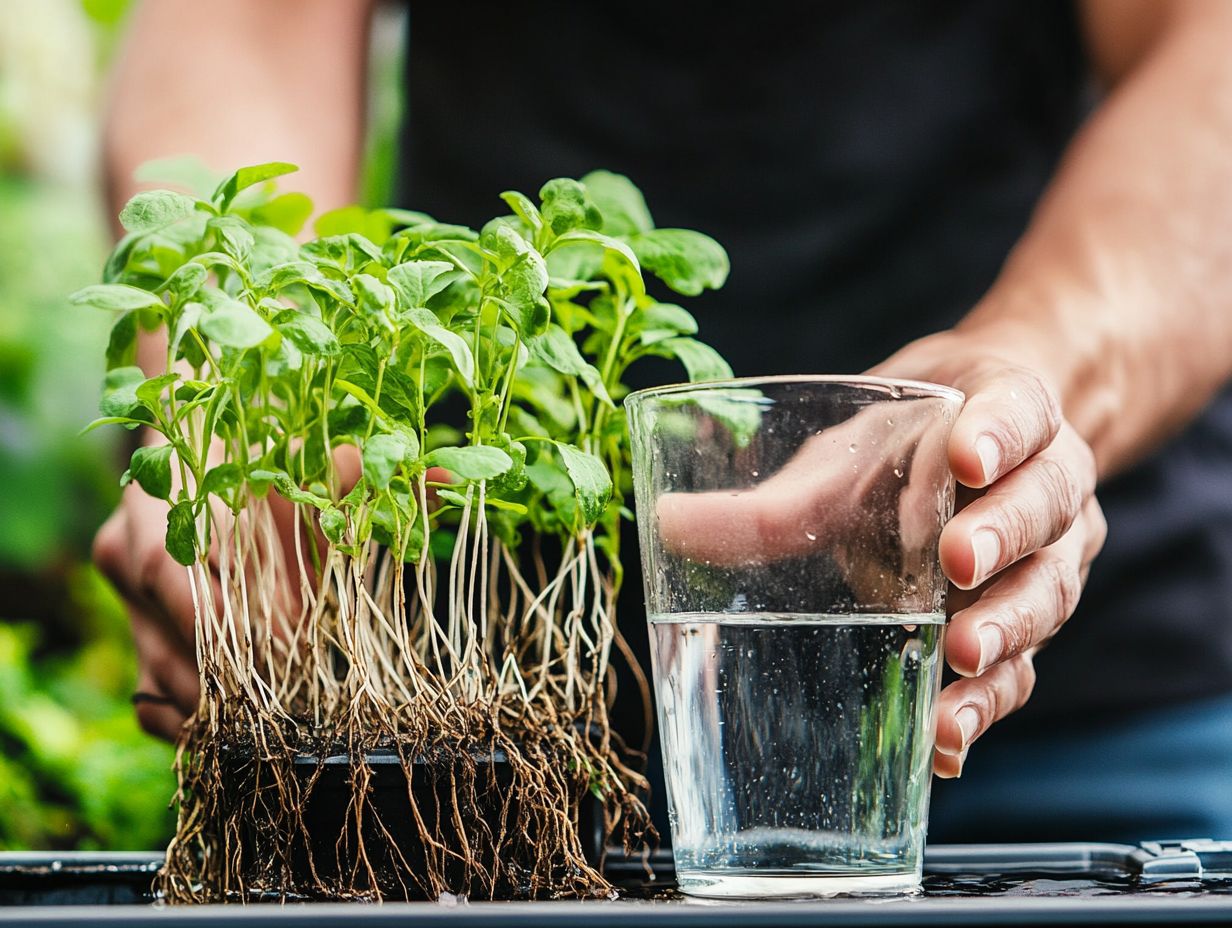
<point>797,748</point>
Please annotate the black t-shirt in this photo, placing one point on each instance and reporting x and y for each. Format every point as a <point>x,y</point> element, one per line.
<point>868,166</point>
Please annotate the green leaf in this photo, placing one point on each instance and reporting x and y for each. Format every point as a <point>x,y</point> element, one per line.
<point>557,350</point>
<point>686,261</point>
<point>287,488</point>
<point>187,318</point>
<point>150,393</point>
<point>185,171</point>
<point>700,360</point>
<point>382,456</point>
<point>247,177</point>
<point>150,467</point>
<point>122,345</point>
<point>471,462</point>
<point>612,246</point>
<point>416,282</point>
<point>222,479</point>
<point>621,203</point>
<point>155,209</point>
<point>348,251</point>
<point>282,276</point>
<point>404,217</point>
<point>120,391</point>
<point>425,320</point>
<point>182,533</point>
<point>525,281</point>
<point>566,206</point>
<point>341,221</point>
<point>523,208</point>
<point>235,325</point>
<point>333,524</point>
<point>287,212</point>
<point>308,333</point>
<point>235,235</point>
<point>592,484</point>
<point>184,284</point>
<point>374,300</point>
<point>665,320</point>
<point>451,496</point>
<point>116,296</point>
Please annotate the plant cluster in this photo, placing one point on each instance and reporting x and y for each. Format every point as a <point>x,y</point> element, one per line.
<point>395,464</point>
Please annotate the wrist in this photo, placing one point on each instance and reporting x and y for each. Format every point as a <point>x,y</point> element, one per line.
<point>1066,335</point>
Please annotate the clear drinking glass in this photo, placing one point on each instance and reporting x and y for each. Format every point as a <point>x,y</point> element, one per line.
<point>789,531</point>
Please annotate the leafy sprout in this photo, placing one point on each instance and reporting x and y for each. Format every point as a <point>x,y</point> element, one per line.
<point>284,352</point>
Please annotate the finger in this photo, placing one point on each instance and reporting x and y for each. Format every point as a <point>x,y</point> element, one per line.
<point>158,719</point>
<point>967,707</point>
<point>1010,414</point>
<point>1029,508</point>
<point>1022,608</point>
<point>174,673</point>
<point>805,505</point>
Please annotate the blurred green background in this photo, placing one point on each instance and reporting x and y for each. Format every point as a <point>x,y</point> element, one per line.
<point>75,770</point>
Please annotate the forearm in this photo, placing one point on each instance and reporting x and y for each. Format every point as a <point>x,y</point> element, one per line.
<point>237,82</point>
<point>1119,293</point>
<point>240,82</point>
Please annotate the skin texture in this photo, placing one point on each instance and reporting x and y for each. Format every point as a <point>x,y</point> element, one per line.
<point>1105,333</point>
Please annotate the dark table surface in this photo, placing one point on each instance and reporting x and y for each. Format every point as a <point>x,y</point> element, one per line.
<point>1057,885</point>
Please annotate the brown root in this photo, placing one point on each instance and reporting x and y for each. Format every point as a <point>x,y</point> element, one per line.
<point>380,735</point>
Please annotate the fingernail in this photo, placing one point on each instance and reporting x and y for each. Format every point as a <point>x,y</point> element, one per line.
<point>962,762</point>
<point>991,644</point>
<point>985,552</point>
<point>968,721</point>
<point>989,453</point>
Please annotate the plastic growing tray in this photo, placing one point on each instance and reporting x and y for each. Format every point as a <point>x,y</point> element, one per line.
<point>1155,883</point>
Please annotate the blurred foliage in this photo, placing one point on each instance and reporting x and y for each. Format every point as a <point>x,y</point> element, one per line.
<point>75,772</point>
<point>75,769</point>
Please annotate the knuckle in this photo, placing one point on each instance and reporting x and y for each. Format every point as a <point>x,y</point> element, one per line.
<point>1062,489</point>
<point>1017,626</point>
<point>1043,401</point>
<point>1016,527</point>
<point>1033,415</point>
<point>1064,581</point>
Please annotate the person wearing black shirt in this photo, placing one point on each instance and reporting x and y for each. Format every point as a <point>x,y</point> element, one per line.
<point>1029,201</point>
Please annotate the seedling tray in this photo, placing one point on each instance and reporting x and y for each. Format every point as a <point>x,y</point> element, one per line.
<point>1156,883</point>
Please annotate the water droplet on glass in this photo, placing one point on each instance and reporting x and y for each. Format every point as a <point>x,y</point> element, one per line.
<point>911,651</point>
<point>898,472</point>
<point>890,422</point>
<point>810,536</point>
<point>756,473</point>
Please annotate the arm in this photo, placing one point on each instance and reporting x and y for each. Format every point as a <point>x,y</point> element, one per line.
<point>1118,293</point>
<point>234,82</point>
<point>1107,330</point>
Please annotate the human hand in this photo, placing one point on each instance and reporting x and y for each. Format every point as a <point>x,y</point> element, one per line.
<point>1017,552</point>
<point>129,549</point>
<point>1021,545</point>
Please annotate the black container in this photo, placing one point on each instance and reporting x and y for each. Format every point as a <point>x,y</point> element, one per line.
<point>394,846</point>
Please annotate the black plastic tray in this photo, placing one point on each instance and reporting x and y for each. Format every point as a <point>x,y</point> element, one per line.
<point>1157,883</point>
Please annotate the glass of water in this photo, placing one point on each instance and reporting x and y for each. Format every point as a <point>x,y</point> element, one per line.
<point>789,531</point>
